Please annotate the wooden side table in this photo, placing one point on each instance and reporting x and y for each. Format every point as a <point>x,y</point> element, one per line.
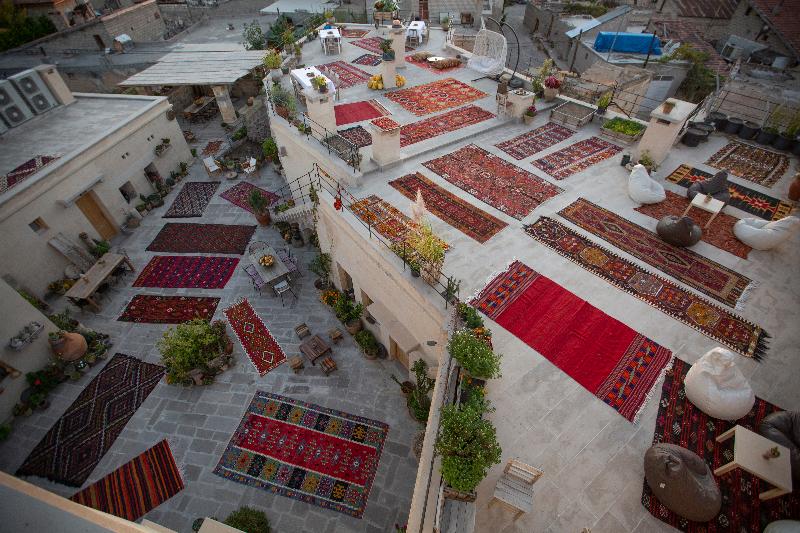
<point>748,454</point>
<point>296,363</point>
<point>335,334</point>
<point>713,206</point>
<point>302,330</point>
<point>328,365</point>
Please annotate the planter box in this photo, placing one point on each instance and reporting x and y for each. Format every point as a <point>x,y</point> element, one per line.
<point>621,137</point>
<point>572,114</point>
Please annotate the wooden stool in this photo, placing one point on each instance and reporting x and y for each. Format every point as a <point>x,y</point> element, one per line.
<point>335,334</point>
<point>328,365</point>
<point>302,330</point>
<point>296,363</point>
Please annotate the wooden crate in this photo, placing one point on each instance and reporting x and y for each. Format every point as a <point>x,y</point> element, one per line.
<point>571,114</point>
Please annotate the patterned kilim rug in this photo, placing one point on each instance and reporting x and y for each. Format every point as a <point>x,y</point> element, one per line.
<point>753,202</point>
<point>708,318</point>
<point>357,135</point>
<point>137,487</point>
<point>202,238</point>
<point>85,432</point>
<point>370,60</point>
<point>435,96</point>
<point>427,65</point>
<point>212,147</point>
<point>609,359</point>
<point>719,233</point>
<point>536,140</point>
<point>373,44</point>
<point>348,74</point>
<point>353,33</point>
<point>151,309</point>
<point>238,195</point>
<point>386,219</point>
<point>192,200</point>
<point>505,186</point>
<point>705,275</point>
<point>680,422</point>
<point>259,344</point>
<point>440,124</point>
<point>24,171</point>
<point>306,452</point>
<point>459,213</point>
<point>187,272</point>
<point>358,111</point>
<point>749,162</point>
<point>576,157</point>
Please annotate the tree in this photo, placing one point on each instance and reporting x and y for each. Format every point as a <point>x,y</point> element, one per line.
<point>253,36</point>
<point>700,80</point>
<point>17,28</point>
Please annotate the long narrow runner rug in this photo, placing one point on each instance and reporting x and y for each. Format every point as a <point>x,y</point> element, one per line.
<point>358,111</point>
<point>192,200</point>
<point>691,268</point>
<point>303,451</point>
<point>259,344</point>
<point>459,213</point>
<point>137,487</point>
<point>748,200</point>
<point>536,140</point>
<point>719,233</point>
<point>609,359</point>
<point>239,194</point>
<point>353,33</point>
<point>440,124</point>
<point>495,181</point>
<point>370,60</point>
<point>85,432</point>
<point>576,157</point>
<point>176,237</point>
<point>151,309</point>
<point>25,170</point>
<point>373,44</point>
<point>435,96</point>
<point>749,162</point>
<point>680,422</point>
<point>712,320</point>
<point>349,75</point>
<point>187,272</point>
<point>386,219</point>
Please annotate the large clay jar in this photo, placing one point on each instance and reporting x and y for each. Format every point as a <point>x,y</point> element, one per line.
<point>794,188</point>
<point>72,348</point>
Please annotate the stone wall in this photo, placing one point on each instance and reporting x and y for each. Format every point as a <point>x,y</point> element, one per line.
<point>142,22</point>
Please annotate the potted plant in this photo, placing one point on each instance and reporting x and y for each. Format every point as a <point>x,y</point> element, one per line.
<point>248,519</point>
<point>272,61</point>
<point>413,267</point>
<point>417,400</point>
<point>406,387</point>
<point>386,48</point>
<point>622,129</point>
<point>349,313</point>
<point>260,206</point>
<point>368,343</point>
<point>270,149</point>
<point>190,351</point>
<point>551,86</point>
<point>429,252</point>
<point>320,83</point>
<point>474,355</point>
<point>647,160</point>
<point>67,345</point>
<point>603,102</point>
<point>298,51</point>
<point>529,114</point>
<point>446,23</point>
<point>321,266</point>
<point>329,18</point>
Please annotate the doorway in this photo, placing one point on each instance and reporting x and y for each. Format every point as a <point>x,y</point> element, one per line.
<point>91,208</point>
<point>397,353</point>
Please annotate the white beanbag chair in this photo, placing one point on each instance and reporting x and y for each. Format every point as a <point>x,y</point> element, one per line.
<point>717,387</point>
<point>642,189</point>
<point>764,235</point>
<point>783,526</point>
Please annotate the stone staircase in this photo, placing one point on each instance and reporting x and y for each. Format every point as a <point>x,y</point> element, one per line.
<point>302,214</point>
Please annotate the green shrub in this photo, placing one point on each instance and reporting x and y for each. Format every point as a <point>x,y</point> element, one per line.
<point>624,126</point>
<point>470,316</point>
<point>367,341</point>
<point>418,400</point>
<point>347,310</point>
<point>321,266</point>
<point>474,355</point>
<point>248,520</point>
<point>5,431</point>
<point>17,28</point>
<point>270,149</point>
<point>188,346</point>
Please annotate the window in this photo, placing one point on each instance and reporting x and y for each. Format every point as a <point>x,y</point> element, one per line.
<point>128,192</point>
<point>38,225</point>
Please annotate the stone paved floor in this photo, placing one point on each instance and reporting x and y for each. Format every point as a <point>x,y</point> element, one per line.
<point>199,421</point>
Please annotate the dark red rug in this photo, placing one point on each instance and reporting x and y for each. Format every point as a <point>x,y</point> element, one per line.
<point>609,359</point>
<point>435,96</point>
<point>576,157</point>
<point>370,60</point>
<point>25,170</point>
<point>150,309</point>
<point>441,124</point>
<point>183,238</point>
<point>137,487</point>
<point>731,330</point>
<point>303,451</point>
<point>459,213</point>
<point>680,422</point>
<point>536,140</point>
<point>258,343</point>
<point>356,135</point>
<point>373,44</point>
<point>85,432</point>
<point>349,75</point>
<point>239,194</point>
<point>192,200</point>
<point>358,111</point>
<point>505,186</point>
<point>187,272</point>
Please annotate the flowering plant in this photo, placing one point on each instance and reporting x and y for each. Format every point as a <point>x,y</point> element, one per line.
<point>329,297</point>
<point>551,82</point>
<point>531,111</point>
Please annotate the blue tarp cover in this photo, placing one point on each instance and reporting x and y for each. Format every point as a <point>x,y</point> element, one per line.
<point>636,43</point>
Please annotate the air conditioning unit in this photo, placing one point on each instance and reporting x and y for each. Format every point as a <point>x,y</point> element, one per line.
<point>13,109</point>
<point>34,90</point>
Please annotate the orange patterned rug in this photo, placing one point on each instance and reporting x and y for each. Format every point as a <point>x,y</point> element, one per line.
<point>435,96</point>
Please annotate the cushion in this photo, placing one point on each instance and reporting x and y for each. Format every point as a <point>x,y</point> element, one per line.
<point>783,526</point>
<point>717,387</point>
<point>765,235</point>
<point>784,428</point>
<point>679,231</point>
<point>642,189</point>
<point>446,63</point>
<point>421,56</point>
<point>716,186</point>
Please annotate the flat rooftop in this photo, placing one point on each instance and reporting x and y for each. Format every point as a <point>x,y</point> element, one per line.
<point>207,67</point>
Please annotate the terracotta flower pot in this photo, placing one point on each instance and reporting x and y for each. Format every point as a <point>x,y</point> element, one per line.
<point>71,348</point>
<point>263,218</point>
<point>354,326</point>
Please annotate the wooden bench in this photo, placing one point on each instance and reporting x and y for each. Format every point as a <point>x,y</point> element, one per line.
<point>335,334</point>
<point>328,365</point>
<point>514,489</point>
<point>302,330</point>
<point>296,363</point>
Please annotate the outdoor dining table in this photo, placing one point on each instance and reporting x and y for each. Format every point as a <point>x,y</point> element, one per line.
<point>314,348</point>
<point>416,30</point>
<point>332,34</point>
<point>271,275</point>
<point>303,77</point>
<point>88,283</point>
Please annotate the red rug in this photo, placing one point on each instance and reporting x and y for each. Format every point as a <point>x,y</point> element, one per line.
<point>536,140</point>
<point>576,157</point>
<point>370,60</point>
<point>459,213</point>
<point>427,65</point>
<point>358,111</point>
<point>212,147</point>
<point>373,44</point>
<point>192,200</point>
<point>680,422</point>
<point>512,190</point>
<point>238,195</point>
<point>202,238</point>
<point>691,268</point>
<point>712,320</point>
<point>719,233</point>
<point>149,309</point>
<point>353,33</point>
<point>356,135</point>
<point>749,162</point>
<point>609,359</point>
<point>349,75</point>
<point>24,171</point>
<point>440,124</point>
<point>435,96</point>
<point>303,451</point>
<point>259,344</point>
<point>137,487</point>
<point>187,272</point>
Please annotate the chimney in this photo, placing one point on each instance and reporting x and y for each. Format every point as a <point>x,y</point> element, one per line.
<point>55,83</point>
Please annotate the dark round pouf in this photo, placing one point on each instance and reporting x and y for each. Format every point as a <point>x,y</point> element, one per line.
<point>682,481</point>
<point>783,428</point>
<point>679,231</point>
